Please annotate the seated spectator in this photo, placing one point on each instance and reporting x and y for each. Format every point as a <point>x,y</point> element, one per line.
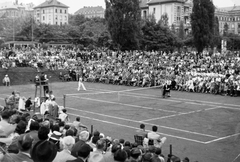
<point>44,151</point>
<point>155,137</point>
<point>82,153</point>
<point>24,145</point>
<point>65,155</point>
<point>6,80</point>
<point>142,132</point>
<point>97,155</point>
<point>64,116</point>
<point>120,155</point>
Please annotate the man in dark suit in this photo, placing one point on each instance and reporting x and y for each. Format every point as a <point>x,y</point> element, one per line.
<point>24,144</point>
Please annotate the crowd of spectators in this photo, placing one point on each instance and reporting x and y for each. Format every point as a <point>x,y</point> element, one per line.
<point>34,138</point>
<point>186,71</point>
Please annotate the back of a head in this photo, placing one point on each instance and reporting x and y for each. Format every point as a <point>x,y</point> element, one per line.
<point>5,114</point>
<point>78,119</point>
<point>43,133</point>
<point>25,142</point>
<point>142,126</point>
<point>100,144</point>
<point>84,151</point>
<point>34,126</point>
<point>68,142</point>
<point>115,147</point>
<point>120,155</point>
<point>154,128</point>
<point>21,127</point>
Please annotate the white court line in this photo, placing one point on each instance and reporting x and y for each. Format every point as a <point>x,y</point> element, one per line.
<point>193,103</point>
<point>222,138</point>
<point>184,113</point>
<point>117,103</point>
<point>180,130</point>
<point>127,126</point>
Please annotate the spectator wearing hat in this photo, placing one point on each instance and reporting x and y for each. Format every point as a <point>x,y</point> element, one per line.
<point>6,80</point>
<point>44,151</point>
<point>83,138</point>
<point>97,155</point>
<point>24,145</point>
<point>82,153</point>
<point>64,155</point>
<point>135,155</point>
<point>120,156</point>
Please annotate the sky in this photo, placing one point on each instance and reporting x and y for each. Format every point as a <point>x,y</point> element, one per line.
<point>74,5</point>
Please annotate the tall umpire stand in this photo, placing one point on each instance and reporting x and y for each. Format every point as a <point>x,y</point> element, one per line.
<point>41,86</point>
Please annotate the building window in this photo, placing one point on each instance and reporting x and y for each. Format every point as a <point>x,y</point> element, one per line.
<point>145,14</point>
<point>60,10</point>
<point>56,10</point>
<point>61,23</point>
<point>43,11</point>
<point>56,23</point>
<point>178,9</point>
<point>154,10</point>
<point>43,18</point>
<point>65,11</point>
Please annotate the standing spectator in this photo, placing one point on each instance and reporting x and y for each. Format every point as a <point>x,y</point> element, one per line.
<point>6,80</point>
<point>28,104</point>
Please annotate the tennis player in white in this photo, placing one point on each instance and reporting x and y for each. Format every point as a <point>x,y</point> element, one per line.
<point>80,84</point>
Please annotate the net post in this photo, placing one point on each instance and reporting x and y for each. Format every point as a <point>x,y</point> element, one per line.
<point>64,101</point>
<point>170,150</point>
<point>91,129</point>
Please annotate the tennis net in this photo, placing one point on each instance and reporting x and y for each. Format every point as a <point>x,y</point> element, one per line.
<point>98,99</point>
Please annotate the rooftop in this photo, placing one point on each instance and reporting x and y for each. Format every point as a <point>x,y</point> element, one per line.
<point>51,3</point>
<point>165,1</point>
<point>90,10</point>
<point>228,9</point>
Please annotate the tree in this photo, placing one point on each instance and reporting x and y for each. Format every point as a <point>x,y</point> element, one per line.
<point>158,37</point>
<point>173,28</point>
<point>123,21</point>
<point>202,21</point>
<point>217,38</point>
<point>181,32</point>
<point>225,29</point>
<point>164,19</point>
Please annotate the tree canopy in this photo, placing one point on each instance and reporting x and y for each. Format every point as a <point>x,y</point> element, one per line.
<point>123,22</point>
<point>202,21</point>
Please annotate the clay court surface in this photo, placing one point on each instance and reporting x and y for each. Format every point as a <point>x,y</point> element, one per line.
<point>203,127</point>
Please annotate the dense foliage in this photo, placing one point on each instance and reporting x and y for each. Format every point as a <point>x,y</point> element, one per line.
<point>202,21</point>
<point>123,21</point>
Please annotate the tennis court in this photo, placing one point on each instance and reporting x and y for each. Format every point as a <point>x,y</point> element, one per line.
<point>203,127</point>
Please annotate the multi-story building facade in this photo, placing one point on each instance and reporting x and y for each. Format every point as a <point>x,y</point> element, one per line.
<point>12,9</point>
<point>231,16</point>
<point>90,12</point>
<point>51,12</point>
<point>176,10</point>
